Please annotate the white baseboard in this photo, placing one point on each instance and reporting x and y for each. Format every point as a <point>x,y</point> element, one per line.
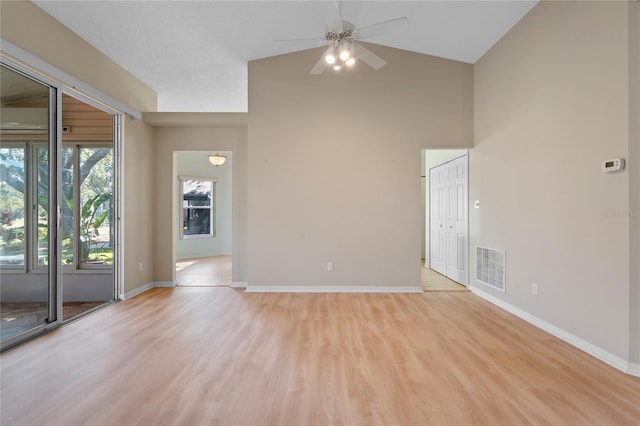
<point>137,291</point>
<point>330,289</point>
<point>239,284</point>
<point>164,283</point>
<point>224,253</point>
<point>591,349</point>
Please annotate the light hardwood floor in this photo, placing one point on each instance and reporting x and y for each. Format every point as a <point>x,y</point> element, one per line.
<point>213,271</point>
<point>17,318</point>
<point>433,281</point>
<point>207,355</point>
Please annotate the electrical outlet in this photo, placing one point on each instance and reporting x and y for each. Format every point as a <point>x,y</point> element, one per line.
<point>330,266</point>
<point>534,289</point>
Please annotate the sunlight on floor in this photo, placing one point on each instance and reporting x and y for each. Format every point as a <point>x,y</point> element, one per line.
<point>214,271</point>
<point>182,264</point>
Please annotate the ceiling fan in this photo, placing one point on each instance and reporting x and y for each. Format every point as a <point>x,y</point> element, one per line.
<point>344,50</point>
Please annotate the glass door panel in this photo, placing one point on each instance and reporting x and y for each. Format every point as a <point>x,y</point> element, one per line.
<point>87,229</point>
<point>24,206</point>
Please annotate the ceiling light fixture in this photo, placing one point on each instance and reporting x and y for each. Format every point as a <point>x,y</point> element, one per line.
<point>339,54</point>
<point>217,159</point>
<point>343,49</point>
<point>330,57</point>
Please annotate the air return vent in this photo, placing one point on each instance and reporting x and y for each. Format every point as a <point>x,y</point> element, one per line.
<point>490,265</point>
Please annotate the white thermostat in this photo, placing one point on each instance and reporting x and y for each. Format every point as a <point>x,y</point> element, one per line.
<point>613,165</point>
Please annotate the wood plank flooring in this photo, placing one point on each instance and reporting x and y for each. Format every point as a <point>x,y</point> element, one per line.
<point>18,318</point>
<point>219,356</point>
<point>433,281</point>
<point>213,271</point>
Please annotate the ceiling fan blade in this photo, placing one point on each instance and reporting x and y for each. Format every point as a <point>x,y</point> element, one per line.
<point>299,40</point>
<point>332,13</point>
<point>382,28</point>
<point>368,57</point>
<point>320,66</point>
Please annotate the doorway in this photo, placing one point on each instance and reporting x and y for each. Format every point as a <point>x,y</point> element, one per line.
<point>203,243</point>
<point>446,215</point>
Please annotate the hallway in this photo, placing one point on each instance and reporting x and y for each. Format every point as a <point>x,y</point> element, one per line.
<point>214,271</point>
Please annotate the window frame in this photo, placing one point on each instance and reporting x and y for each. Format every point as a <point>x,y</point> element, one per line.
<point>32,254</point>
<point>30,169</point>
<point>212,208</point>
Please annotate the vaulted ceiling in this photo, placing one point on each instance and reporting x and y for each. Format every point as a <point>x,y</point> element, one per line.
<point>194,54</point>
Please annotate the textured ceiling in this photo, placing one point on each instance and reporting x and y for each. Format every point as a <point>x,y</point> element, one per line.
<point>194,54</point>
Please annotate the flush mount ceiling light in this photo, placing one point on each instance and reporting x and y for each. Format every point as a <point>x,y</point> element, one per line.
<point>217,159</point>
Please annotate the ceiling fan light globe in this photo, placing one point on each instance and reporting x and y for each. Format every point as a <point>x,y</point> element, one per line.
<point>337,67</point>
<point>350,62</point>
<point>344,55</point>
<point>330,59</point>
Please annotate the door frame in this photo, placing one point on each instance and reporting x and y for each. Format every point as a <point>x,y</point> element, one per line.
<point>464,153</point>
<point>176,216</point>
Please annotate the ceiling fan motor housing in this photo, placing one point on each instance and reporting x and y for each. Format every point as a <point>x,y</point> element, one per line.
<point>347,32</point>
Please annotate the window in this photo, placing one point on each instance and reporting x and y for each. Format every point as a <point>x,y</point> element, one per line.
<point>87,209</point>
<point>41,204</point>
<point>197,197</point>
<point>13,243</point>
<point>95,213</point>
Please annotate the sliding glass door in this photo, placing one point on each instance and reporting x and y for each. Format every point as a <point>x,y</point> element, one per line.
<point>57,207</point>
<point>26,228</point>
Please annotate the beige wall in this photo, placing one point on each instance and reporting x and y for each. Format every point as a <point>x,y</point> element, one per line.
<point>171,139</point>
<point>335,163</point>
<point>138,196</point>
<point>27,26</point>
<point>551,102</point>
